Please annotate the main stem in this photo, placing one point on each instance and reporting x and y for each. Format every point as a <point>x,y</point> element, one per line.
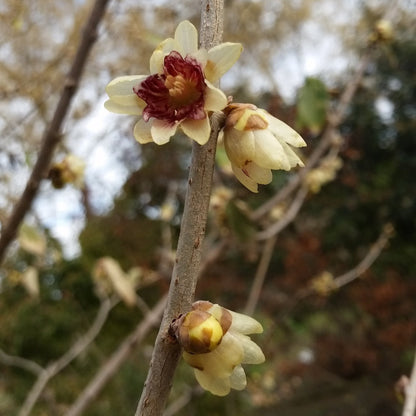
<point>167,352</point>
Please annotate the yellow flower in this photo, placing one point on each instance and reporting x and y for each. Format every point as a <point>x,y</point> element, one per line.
<point>256,142</point>
<point>179,91</point>
<point>69,170</point>
<point>219,368</point>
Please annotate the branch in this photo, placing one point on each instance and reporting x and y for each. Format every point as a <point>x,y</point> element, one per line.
<point>290,302</point>
<point>52,134</point>
<point>166,353</point>
<point>368,260</point>
<point>409,408</point>
<point>260,276</point>
<point>55,367</point>
<point>20,362</point>
<point>110,367</point>
<point>287,218</point>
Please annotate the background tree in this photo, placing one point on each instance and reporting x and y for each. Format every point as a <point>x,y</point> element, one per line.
<point>327,350</point>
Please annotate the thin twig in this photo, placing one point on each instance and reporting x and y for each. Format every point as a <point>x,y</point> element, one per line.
<point>55,367</point>
<point>166,353</point>
<point>287,218</point>
<point>111,366</point>
<point>337,282</point>
<point>182,400</point>
<point>20,362</point>
<point>367,261</point>
<point>52,135</point>
<point>409,408</point>
<point>260,276</point>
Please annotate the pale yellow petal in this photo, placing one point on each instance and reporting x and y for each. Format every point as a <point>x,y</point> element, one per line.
<point>252,352</point>
<point>259,174</point>
<point>217,386</point>
<point>221,58</point>
<point>201,55</point>
<point>221,361</point>
<point>292,156</point>
<point>117,108</point>
<point>187,36</point>
<point>156,61</point>
<point>142,131</point>
<point>269,152</point>
<point>158,56</point>
<point>238,379</point>
<point>239,146</point>
<point>123,86</point>
<point>215,99</point>
<point>245,324</point>
<point>198,130</point>
<point>283,131</point>
<point>249,183</point>
<point>162,131</point>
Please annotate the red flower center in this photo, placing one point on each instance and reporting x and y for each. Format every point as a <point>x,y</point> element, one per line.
<point>176,94</point>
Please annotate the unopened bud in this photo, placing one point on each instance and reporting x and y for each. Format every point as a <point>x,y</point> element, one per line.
<point>69,170</point>
<point>198,332</point>
<point>244,117</point>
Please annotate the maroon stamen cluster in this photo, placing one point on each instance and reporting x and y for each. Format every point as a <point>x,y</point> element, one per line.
<point>176,94</point>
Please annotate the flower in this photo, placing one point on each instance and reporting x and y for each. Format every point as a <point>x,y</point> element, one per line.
<point>256,142</point>
<point>179,91</point>
<point>68,170</point>
<point>217,358</point>
<point>383,32</point>
<point>324,173</point>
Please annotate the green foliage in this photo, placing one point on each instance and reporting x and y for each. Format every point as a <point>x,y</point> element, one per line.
<point>312,105</point>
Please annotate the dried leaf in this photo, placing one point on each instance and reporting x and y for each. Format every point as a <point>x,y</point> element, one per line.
<point>31,240</point>
<point>109,269</point>
<point>30,281</point>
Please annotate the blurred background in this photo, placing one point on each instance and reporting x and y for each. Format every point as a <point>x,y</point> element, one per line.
<point>334,287</point>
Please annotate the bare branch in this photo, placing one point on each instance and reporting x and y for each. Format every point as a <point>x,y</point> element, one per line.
<point>368,260</point>
<point>374,251</point>
<point>287,218</point>
<point>20,362</point>
<point>117,358</point>
<point>55,367</point>
<point>183,400</point>
<point>52,135</point>
<point>260,276</point>
<point>409,408</point>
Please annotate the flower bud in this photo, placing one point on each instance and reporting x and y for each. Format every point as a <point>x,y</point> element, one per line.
<point>383,32</point>
<point>256,142</point>
<point>244,117</point>
<point>218,367</point>
<point>199,332</point>
<point>69,170</point>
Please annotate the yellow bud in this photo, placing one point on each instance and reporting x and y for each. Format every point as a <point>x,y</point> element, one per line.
<point>244,117</point>
<point>199,332</point>
<point>69,170</point>
<point>222,315</point>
